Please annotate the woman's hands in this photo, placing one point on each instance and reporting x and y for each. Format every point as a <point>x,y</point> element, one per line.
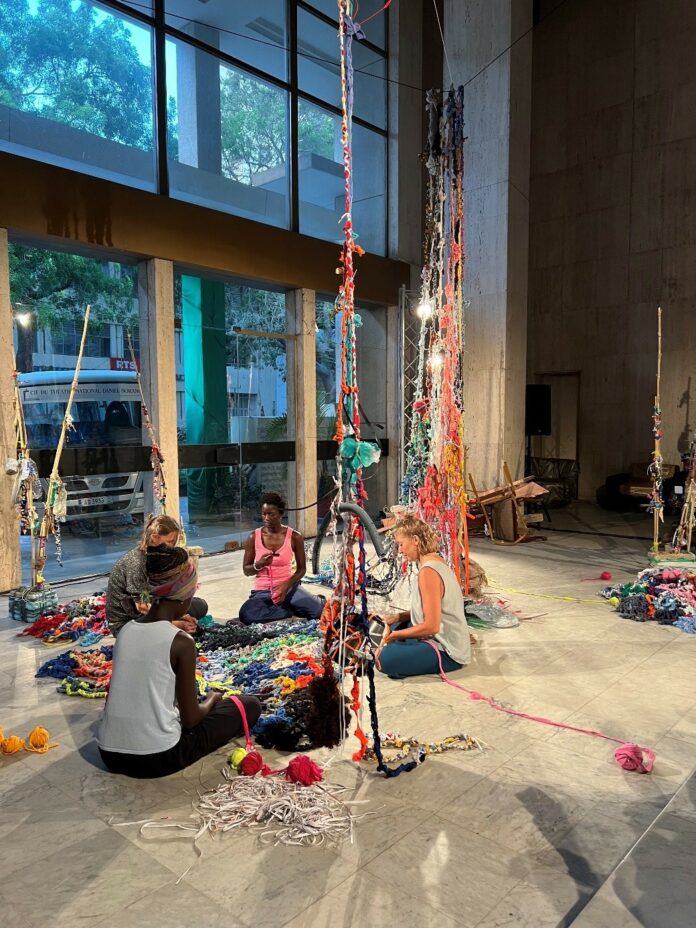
<point>263,561</point>
<point>396,617</point>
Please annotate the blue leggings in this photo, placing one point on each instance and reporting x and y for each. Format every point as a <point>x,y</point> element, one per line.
<point>412,657</point>
<point>261,608</point>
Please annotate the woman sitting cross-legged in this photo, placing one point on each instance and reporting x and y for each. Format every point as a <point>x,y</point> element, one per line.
<point>153,724</point>
<point>436,614</point>
<point>128,579</point>
<point>268,556</point>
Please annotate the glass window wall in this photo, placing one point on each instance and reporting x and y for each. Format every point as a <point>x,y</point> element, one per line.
<point>237,407</point>
<point>374,29</point>
<point>87,103</point>
<point>319,70</point>
<point>321,179</point>
<point>49,292</point>
<point>371,346</point>
<point>253,31</point>
<point>76,88</point>
<point>227,137</point>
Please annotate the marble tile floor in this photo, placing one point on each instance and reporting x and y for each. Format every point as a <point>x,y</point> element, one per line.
<point>535,831</point>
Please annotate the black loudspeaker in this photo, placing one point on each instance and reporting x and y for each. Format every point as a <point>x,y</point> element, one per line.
<point>537,411</point>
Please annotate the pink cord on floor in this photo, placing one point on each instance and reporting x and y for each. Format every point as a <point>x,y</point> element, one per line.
<point>629,755</point>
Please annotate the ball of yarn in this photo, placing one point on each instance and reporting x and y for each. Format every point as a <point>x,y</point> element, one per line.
<point>12,744</point>
<point>236,757</point>
<point>252,764</point>
<point>614,600</point>
<point>302,769</point>
<point>38,741</point>
<point>630,757</point>
<point>605,575</point>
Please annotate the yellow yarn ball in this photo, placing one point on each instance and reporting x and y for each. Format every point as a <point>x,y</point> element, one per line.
<point>237,756</point>
<point>39,741</point>
<point>12,744</point>
<point>614,600</point>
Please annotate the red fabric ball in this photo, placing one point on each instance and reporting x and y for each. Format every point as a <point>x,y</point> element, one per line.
<point>252,764</point>
<point>302,769</point>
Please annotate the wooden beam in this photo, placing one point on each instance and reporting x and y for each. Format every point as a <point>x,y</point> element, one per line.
<point>10,564</point>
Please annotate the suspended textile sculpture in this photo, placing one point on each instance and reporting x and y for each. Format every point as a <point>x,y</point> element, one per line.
<point>345,621</point>
<point>56,506</point>
<point>683,534</point>
<point>434,485</point>
<point>655,470</point>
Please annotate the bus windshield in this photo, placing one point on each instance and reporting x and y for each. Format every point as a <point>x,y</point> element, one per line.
<point>102,413</point>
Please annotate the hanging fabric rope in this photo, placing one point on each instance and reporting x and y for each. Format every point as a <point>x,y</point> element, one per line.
<point>434,483</point>
<point>345,620</point>
<point>55,509</point>
<point>159,483</point>
<point>27,484</point>
<point>655,470</point>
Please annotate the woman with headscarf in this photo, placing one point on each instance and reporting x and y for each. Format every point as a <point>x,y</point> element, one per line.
<point>128,579</point>
<point>153,724</point>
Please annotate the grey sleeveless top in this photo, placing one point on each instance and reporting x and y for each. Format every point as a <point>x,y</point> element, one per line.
<point>453,636</point>
<point>140,715</point>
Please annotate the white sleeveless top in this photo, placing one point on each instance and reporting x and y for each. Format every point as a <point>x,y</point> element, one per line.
<point>140,716</point>
<point>453,636</point>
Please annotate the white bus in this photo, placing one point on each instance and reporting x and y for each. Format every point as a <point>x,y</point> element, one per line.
<point>106,411</point>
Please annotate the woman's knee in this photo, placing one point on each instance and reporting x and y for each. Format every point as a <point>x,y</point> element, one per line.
<point>389,662</point>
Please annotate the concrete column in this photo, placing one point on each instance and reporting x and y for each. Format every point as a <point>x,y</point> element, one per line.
<point>393,423</point>
<point>198,95</point>
<point>405,143</point>
<point>10,564</point>
<point>157,362</point>
<point>497,115</point>
<point>302,396</point>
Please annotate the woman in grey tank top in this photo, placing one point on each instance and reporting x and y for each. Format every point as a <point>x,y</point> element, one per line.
<point>436,613</point>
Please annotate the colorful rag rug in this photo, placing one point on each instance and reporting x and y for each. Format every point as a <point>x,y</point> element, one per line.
<point>277,663</point>
<point>666,595</point>
<point>80,620</point>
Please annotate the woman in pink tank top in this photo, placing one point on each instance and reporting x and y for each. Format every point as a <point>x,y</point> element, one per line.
<point>274,556</point>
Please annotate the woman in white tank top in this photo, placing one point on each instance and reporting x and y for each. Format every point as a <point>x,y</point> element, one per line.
<point>153,724</point>
<point>436,614</point>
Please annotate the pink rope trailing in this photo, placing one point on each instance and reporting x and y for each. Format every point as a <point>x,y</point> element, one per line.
<point>629,756</point>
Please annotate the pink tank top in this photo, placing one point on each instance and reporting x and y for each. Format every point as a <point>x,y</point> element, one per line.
<point>280,569</point>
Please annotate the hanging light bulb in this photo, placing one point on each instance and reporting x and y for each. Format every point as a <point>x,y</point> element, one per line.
<point>437,358</point>
<point>24,319</point>
<point>424,310</point>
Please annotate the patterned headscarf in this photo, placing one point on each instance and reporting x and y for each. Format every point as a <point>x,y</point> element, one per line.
<point>171,574</point>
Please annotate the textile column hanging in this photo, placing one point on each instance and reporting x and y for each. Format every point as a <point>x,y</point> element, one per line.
<point>434,483</point>
<point>345,621</point>
<point>655,470</point>
<point>55,509</point>
<point>27,487</point>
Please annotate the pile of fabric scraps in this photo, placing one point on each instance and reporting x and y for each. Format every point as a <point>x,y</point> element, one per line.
<point>280,663</point>
<point>487,614</point>
<point>279,810</point>
<point>666,595</point>
<point>82,673</point>
<point>82,620</point>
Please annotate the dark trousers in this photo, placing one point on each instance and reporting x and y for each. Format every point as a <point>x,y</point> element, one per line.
<point>261,608</point>
<point>222,724</point>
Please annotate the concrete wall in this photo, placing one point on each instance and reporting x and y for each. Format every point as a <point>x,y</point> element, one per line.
<point>613,219</point>
<point>489,51</point>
